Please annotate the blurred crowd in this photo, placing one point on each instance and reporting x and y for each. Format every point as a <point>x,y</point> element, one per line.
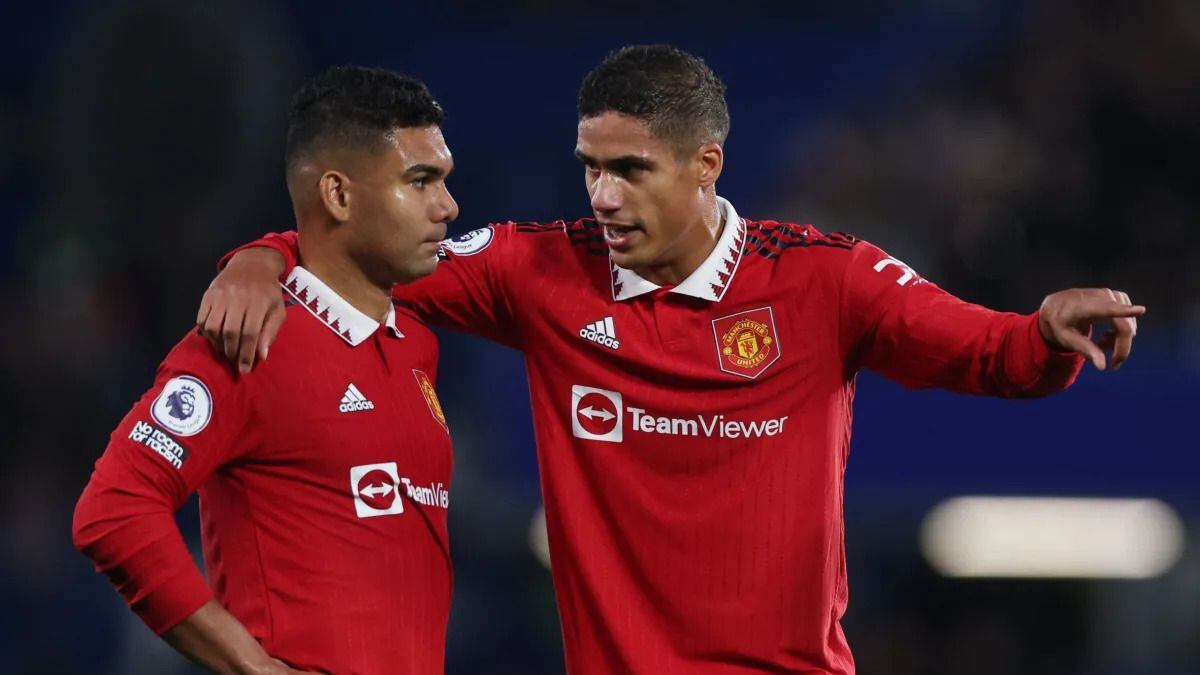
<point>142,139</point>
<point>1059,158</point>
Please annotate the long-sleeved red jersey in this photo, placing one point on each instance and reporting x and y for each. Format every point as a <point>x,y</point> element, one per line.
<point>692,440</point>
<point>324,480</point>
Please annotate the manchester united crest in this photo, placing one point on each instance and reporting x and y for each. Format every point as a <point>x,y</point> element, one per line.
<point>747,343</point>
<point>431,398</point>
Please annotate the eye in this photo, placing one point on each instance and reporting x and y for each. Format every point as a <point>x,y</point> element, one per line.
<point>418,183</point>
<point>629,170</point>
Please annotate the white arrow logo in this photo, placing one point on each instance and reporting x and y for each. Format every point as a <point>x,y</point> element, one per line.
<point>584,402</point>
<point>381,490</point>
<point>591,413</point>
<point>364,490</point>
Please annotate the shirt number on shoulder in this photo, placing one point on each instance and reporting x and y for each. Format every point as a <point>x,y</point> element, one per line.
<point>906,273</point>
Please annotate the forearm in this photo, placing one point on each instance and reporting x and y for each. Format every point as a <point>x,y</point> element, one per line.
<point>1038,368</point>
<point>129,533</point>
<point>259,257</point>
<point>278,251</point>
<point>215,639</point>
<point>133,539</point>
<point>969,349</point>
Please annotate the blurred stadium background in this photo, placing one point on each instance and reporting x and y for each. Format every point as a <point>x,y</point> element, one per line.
<point>1004,148</point>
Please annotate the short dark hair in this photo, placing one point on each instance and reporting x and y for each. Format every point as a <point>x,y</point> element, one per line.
<point>356,106</point>
<point>675,93</point>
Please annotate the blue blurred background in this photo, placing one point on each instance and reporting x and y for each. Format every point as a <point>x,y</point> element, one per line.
<point>1005,149</point>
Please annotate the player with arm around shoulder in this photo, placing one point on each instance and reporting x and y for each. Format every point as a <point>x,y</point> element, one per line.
<point>692,375</point>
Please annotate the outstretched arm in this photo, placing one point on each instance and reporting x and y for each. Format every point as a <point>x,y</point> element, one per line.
<point>899,324</point>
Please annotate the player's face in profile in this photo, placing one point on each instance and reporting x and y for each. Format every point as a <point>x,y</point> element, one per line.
<point>402,204</point>
<point>644,195</point>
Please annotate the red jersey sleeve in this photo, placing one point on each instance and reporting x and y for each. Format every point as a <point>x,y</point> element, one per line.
<point>188,424</point>
<point>895,322</point>
<point>468,292</point>
<point>287,243</point>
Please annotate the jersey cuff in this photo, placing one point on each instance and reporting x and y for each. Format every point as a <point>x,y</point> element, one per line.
<point>165,585</point>
<point>1046,358</point>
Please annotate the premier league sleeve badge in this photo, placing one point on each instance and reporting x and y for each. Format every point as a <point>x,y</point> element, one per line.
<point>184,407</point>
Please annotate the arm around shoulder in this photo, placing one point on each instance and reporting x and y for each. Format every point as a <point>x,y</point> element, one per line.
<point>242,310</point>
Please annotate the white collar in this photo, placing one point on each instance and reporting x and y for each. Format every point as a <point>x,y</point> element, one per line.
<point>333,310</point>
<point>709,281</point>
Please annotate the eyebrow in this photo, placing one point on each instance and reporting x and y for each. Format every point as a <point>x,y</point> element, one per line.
<point>428,169</point>
<point>620,164</point>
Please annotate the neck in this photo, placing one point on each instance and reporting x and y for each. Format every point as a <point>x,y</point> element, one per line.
<point>691,249</point>
<point>336,268</point>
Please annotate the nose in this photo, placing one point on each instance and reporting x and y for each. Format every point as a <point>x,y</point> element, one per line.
<point>447,208</point>
<point>606,193</point>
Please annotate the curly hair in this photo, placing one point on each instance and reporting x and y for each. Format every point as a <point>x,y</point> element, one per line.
<point>678,96</point>
<point>356,106</point>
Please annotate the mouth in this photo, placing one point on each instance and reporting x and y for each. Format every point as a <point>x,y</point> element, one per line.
<point>620,237</point>
<point>431,247</point>
<point>436,241</point>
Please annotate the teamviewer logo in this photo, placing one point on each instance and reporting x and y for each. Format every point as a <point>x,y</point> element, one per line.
<point>376,490</point>
<point>596,414</point>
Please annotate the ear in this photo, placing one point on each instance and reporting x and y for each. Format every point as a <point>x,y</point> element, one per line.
<point>710,159</point>
<point>335,194</point>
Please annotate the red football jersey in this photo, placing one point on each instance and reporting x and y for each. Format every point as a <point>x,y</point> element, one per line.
<point>324,480</point>
<point>692,440</point>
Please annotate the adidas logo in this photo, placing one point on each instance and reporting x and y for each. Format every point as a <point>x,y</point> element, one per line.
<point>353,401</point>
<point>602,333</point>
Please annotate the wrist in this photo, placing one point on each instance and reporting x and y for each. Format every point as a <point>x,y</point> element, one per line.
<point>1046,333</point>
<point>1049,347</point>
<point>264,256</point>
<point>256,662</point>
<point>214,638</point>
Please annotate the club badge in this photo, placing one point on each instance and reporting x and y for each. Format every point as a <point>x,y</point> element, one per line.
<point>747,342</point>
<point>431,398</point>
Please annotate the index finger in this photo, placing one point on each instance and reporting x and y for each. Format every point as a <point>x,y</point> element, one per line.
<point>1112,308</point>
